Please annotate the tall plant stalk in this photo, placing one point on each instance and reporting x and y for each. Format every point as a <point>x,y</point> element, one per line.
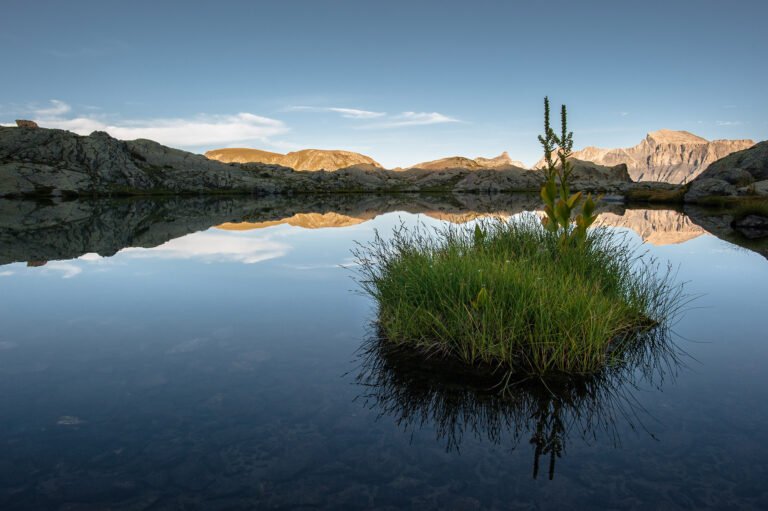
<point>567,215</point>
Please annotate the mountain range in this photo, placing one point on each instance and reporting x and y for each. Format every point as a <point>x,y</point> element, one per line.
<point>664,155</point>
<point>306,159</point>
<point>461,162</point>
<point>658,227</point>
<point>43,162</point>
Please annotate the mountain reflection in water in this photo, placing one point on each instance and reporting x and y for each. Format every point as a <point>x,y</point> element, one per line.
<point>36,232</point>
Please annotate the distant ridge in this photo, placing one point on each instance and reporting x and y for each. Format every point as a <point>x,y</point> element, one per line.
<point>664,155</point>
<point>453,162</point>
<point>306,159</point>
<point>675,137</point>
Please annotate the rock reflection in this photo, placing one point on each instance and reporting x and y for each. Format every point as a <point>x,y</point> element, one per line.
<point>421,392</point>
<point>56,230</point>
<point>36,232</point>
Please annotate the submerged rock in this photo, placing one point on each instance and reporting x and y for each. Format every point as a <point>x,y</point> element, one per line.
<point>752,226</point>
<point>70,420</point>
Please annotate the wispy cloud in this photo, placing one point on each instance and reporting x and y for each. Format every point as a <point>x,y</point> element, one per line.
<point>200,130</point>
<point>729,123</point>
<point>414,119</point>
<point>348,113</point>
<point>55,108</point>
<point>384,120</point>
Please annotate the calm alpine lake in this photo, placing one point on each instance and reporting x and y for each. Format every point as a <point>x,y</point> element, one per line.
<point>216,353</point>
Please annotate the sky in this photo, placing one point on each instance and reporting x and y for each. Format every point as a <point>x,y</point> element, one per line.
<point>402,82</point>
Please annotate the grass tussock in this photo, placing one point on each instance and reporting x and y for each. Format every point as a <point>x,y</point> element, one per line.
<point>508,295</point>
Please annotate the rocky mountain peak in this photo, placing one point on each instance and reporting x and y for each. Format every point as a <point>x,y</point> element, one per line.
<point>501,161</point>
<point>664,136</point>
<point>665,155</point>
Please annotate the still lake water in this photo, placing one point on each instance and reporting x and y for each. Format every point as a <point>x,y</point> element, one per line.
<point>210,354</point>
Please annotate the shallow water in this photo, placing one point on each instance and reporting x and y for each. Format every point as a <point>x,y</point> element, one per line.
<point>213,356</point>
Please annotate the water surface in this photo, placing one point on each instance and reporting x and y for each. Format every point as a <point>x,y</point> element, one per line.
<point>210,353</point>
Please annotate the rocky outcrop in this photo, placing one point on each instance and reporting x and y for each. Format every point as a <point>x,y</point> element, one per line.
<point>665,155</point>
<point>368,179</point>
<point>45,162</point>
<point>497,175</point>
<point>23,123</point>
<point>306,159</point>
<point>592,176</point>
<point>48,162</point>
<point>744,173</point>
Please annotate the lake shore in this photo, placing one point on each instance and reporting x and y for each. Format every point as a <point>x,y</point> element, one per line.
<point>42,163</point>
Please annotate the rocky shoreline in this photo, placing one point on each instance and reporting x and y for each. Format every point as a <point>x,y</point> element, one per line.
<point>40,162</point>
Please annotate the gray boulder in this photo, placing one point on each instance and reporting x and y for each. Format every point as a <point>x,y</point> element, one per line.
<point>591,176</point>
<point>759,188</point>
<point>740,173</point>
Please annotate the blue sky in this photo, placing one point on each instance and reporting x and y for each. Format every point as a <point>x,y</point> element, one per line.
<point>401,81</point>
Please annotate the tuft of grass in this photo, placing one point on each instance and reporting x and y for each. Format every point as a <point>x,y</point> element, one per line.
<point>507,295</point>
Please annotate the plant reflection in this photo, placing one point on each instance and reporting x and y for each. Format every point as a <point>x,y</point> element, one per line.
<point>425,391</point>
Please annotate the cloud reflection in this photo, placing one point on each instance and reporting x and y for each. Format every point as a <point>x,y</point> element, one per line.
<point>214,247</point>
<point>66,269</point>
